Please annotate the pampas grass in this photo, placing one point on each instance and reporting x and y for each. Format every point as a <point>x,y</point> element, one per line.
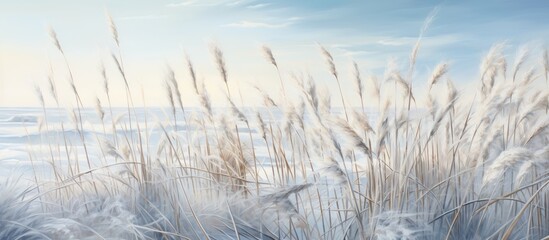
<point>463,168</point>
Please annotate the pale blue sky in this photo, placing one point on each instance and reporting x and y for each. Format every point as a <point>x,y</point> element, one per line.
<point>156,33</point>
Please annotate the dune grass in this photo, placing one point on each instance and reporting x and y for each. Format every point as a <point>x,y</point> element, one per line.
<point>460,168</point>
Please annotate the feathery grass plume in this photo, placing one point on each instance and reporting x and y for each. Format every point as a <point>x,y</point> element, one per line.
<point>353,137</point>
<point>493,103</point>
<point>492,145</point>
<point>524,170</point>
<point>529,77</point>
<point>105,79</point>
<point>284,193</point>
<point>175,88</point>
<point>426,24</point>
<point>532,168</point>
<point>503,68</point>
<point>289,113</point>
<point>73,88</point>
<point>39,95</point>
<point>267,100</point>
<point>358,79</point>
<point>309,91</point>
<point>221,66</point>
<point>262,128</point>
<point>509,158</point>
<point>440,117</point>
<point>382,126</point>
<point>236,112</point>
<point>99,109</point>
<point>432,105</point>
<point>52,87</point>
<point>437,74</point>
<point>109,149</point>
<point>330,61</point>
<point>334,170</point>
<point>268,54</point>
<point>328,138</point>
<point>451,90</point>
<point>293,116</point>
<point>490,64</point>
<point>325,102</point>
<point>169,92</point>
<point>375,88</point>
<point>537,103</point>
<point>359,83</point>
<point>521,57</point>
<point>362,121</point>
<point>539,130</point>
<point>205,100</point>
<point>405,84</point>
<point>54,39</point>
<point>192,73</point>
<point>113,29</point>
<point>312,94</point>
<point>281,201</point>
<point>120,70</point>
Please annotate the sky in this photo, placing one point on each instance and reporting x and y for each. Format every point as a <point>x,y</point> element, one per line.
<point>155,35</point>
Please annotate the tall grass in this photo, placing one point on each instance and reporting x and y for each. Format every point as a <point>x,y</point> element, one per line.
<point>461,168</point>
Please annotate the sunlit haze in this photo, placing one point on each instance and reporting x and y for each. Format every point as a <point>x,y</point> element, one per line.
<point>157,34</point>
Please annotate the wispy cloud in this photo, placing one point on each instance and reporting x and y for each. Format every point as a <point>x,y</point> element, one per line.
<point>438,40</point>
<point>359,42</point>
<point>395,41</point>
<point>143,17</point>
<point>351,53</point>
<point>181,4</point>
<point>259,5</point>
<point>281,23</point>
<point>251,24</point>
<point>293,19</point>
<point>238,2</point>
<point>207,3</point>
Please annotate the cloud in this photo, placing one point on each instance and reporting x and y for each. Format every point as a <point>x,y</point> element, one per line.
<point>251,24</point>
<point>395,41</point>
<point>259,5</point>
<point>182,4</point>
<point>207,3</point>
<point>258,24</point>
<point>438,40</point>
<point>360,42</point>
<point>295,18</point>
<point>143,17</point>
<point>238,2</point>
<point>350,53</point>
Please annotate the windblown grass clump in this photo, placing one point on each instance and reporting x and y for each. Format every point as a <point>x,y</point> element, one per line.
<point>460,168</point>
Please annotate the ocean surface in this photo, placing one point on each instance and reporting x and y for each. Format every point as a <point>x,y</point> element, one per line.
<point>34,142</point>
<point>30,138</point>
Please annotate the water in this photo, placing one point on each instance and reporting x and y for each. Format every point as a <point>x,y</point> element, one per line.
<point>34,142</point>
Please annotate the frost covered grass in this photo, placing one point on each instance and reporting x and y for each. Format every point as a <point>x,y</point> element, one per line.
<point>460,168</point>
